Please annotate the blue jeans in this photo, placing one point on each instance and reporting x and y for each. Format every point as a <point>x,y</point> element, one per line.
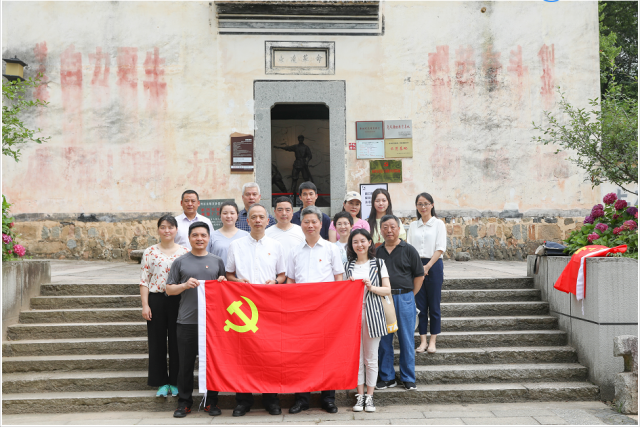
<point>406,313</point>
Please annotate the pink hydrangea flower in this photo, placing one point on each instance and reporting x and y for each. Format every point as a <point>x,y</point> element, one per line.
<point>11,225</point>
<point>19,250</point>
<point>616,216</point>
<point>593,236</point>
<point>602,227</point>
<point>610,199</point>
<point>632,210</point>
<point>629,225</point>
<point>620,205</point>
<point>588,220</point>
<point>597,213</point>
<point>617,230</point>
<point>6,239</point>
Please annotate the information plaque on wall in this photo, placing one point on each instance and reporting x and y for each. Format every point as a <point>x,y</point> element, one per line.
<point>211,209</point>
<point>385,171</point>
<point>241,152</point>
<point>370,149</point>
<point>398,147</point>
<point>370,130</point>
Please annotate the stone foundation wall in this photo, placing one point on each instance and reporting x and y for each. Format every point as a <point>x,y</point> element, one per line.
<point>109,237</point>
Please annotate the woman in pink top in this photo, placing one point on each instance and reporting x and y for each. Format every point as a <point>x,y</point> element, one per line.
<point>159,310</point>
<point>352,204</point>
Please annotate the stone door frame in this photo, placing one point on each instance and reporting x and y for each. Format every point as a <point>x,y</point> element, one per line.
<point>332,93</point>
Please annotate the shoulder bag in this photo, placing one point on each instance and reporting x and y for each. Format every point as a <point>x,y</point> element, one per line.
<point>388,307</point>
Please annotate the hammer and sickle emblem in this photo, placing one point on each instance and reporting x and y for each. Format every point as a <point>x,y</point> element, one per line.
<point>249,324</point>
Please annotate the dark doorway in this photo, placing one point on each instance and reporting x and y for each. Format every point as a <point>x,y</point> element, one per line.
<point>293,163</point>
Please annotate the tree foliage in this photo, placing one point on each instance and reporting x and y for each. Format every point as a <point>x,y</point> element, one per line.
<point>15,104</point>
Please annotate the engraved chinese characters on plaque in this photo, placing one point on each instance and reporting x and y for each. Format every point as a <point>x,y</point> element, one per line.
<point>241,152</point>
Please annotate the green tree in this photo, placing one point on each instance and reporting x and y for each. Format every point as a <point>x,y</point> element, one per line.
<point>15,104</point>
<point>619,29</point>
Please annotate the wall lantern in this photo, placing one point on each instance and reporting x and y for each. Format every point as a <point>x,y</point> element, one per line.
<point>15,69</point>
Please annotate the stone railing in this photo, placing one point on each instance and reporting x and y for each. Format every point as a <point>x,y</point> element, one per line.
<point>21,280</point>
<point>610,309</point>
<point>626,383</point>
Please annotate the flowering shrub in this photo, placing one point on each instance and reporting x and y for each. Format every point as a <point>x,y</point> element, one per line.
<point>9,246</point>
<point>610,225</point>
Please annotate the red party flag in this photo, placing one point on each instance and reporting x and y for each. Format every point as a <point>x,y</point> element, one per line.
<point>573,278</point>
<point>279,338</point>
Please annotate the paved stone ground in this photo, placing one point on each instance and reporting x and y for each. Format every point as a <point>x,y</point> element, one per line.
<point>534,413</point>
<point>63,271</point>
<point>545,413</point>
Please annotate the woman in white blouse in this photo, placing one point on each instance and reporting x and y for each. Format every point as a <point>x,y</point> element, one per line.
<point>161,311</point>
<point>429,236</point>
<point>221,239</point>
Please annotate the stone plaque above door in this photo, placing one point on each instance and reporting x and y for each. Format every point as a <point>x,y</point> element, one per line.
<point>300,58</point>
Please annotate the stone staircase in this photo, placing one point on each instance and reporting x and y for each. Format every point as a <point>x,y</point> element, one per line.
<point>83,348</point>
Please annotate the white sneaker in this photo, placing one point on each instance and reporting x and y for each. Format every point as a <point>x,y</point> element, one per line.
<point>359,406</point>
<point>368,404</point>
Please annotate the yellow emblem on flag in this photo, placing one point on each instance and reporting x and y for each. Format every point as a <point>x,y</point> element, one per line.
<point>249,324</point>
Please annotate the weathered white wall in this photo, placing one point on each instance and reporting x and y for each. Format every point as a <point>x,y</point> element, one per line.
<point>143,97</point>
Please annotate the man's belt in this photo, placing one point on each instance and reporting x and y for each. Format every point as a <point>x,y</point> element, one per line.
<point>400,291</point>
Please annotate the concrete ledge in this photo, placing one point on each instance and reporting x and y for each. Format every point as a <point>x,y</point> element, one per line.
<point>610,309</point>
<point>21,280</point>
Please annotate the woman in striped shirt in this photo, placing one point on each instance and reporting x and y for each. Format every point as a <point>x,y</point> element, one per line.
<point>362,264</point>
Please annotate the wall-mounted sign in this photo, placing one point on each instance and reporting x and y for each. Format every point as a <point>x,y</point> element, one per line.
<point>370,149</point>
<point>385,171</point>
<point>398,147</point>
<point>241,152</point>
<point>211,209</point>
<point>366,191</point>
<point>370,130</point>
<point>398,129</point>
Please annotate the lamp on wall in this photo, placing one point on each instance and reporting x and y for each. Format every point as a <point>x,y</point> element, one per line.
<point>15,69</point>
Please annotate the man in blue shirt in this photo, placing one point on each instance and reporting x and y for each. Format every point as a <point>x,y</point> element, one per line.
<point>250,195</point>
<point>308,196</point>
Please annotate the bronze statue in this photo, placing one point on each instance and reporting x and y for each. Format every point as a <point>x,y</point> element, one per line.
<point>301,164</point>
<point>276,178</point>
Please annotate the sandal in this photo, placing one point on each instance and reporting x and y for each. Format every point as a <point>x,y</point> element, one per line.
<point>431,350</point>
<point>421,349</point>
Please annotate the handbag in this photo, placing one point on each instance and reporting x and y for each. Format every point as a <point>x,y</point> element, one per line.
<point>388,307</point>
<point>548,249</point>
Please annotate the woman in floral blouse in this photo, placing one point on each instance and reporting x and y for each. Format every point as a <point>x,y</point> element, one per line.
<point>161,311</point>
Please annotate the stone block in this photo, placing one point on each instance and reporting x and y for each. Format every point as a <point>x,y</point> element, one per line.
<point>463,256</point>
<point>136,255</point>
<point>457,230</point>
<point>508,232</point>
<point>45,233</point>
<point>472,231</point>
<point>626,386</point>
<point>531,232</point>
<point>491,230</point>
<point>549,232</point>
<point>568,221</point>
<point>482,231</point>
<point>626,346</point>
<point>449,229</point>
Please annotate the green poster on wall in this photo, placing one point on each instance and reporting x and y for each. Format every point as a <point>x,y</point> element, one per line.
<point>385,171</point>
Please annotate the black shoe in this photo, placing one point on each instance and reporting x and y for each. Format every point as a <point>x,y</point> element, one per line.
<point>298,407</point>
<point>214,411</point>
<point>274,409</point>
<point>181,412</point>
<point>381,385</point>
<point>410,386</point>
<point>240,410</point>
<point>330,407</point>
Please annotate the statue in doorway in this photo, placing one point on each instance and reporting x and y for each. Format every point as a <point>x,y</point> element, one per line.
<point>276,179</point>
<point>301,164</point>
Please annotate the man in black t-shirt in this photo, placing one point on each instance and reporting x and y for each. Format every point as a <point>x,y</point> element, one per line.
<point>184,276</point>
<point>405,274</point>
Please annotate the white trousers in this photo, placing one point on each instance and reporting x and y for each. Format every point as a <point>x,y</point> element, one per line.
<point>368,354</point>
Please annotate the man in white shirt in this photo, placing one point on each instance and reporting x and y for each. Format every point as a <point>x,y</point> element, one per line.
<point>289,235</point>
<point>256,258</point>
<point>190,203</point>
<point>314,260</point>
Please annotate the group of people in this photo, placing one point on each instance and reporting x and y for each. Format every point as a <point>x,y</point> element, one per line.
<point>308,247</point>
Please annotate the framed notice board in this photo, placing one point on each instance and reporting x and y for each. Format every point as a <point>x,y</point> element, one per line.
<point>211,209</point>
<point>385,171</point>
<point>241,152</point>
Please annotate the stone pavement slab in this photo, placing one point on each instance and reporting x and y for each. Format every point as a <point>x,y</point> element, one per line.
<point>522,413</point>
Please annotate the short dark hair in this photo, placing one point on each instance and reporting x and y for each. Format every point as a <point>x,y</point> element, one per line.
<point>342,214</point>
<point>389,217</point>
<point>257,205</point>
<point>351,254</point>
<point>307,185</point>
<point>232,204</point>
<point>198,224</point>
<point>283,199</point>
<point>190,192</point>
<point>169,218</point>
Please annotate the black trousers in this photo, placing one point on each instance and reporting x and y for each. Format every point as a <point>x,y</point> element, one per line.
<point>162,327</point>
<point>268,399</point>
<point>188,350</point>
<point>326,396</point>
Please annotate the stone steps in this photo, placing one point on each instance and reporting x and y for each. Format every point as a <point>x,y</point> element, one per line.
<point>145,400</point>
<point>444,356</point>
<point>133,315</point>
<point>106,380</point>
<point>56,289</point>
<point>75,346</point>
<point>133,301</point>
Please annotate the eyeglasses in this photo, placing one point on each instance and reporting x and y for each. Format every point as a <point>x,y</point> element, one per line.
<point>423,205</point>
